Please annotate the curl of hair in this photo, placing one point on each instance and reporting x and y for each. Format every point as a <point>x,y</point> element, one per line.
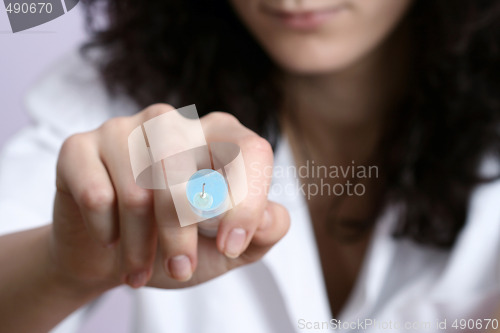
<point>197,51</point>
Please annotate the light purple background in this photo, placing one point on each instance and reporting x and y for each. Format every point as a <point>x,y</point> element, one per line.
<point>24,57</point>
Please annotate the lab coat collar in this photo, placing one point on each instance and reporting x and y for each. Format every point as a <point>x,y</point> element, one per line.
<point>297,269</point>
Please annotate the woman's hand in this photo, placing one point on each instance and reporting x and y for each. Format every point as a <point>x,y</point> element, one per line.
<point>108,231</point>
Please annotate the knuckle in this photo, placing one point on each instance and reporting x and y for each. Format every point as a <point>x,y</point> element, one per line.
<point>72,143</point>
<point>115,124</point>
<point>136,199</point>
<point>97,198</point>
<point>222,118</point>
<point>157,109</point>
<point>257,143</point>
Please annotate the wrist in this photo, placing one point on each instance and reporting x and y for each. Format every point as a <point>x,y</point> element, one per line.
<point>32,286</point>
<point>65,284</point>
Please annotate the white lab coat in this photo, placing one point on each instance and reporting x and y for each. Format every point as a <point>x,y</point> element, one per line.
<point>400,281</point>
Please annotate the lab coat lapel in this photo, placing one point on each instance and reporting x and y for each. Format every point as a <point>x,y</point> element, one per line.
<point>294,261</point>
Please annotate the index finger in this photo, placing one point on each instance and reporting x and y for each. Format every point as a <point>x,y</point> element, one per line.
<point>239,224</point>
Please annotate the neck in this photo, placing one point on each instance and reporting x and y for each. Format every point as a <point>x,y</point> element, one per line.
<point>347,108</point>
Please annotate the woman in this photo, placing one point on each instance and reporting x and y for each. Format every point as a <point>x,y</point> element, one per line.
<point>405,88</point>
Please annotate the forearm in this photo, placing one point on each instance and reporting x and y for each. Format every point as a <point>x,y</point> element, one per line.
<point>33,296</point>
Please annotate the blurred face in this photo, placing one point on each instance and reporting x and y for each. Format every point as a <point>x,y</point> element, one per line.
<point>318,36</point>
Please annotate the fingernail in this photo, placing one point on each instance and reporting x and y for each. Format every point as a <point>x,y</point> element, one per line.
<point>137,280</point>
<point>180,268</point>
<point>235,242</point>
<point>266,220</point>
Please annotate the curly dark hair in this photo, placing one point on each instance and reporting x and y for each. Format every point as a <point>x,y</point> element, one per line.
<point>197,51</point>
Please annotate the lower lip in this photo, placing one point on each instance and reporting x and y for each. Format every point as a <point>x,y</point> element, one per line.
<point>305,21</point>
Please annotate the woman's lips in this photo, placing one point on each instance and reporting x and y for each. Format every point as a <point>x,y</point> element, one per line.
<point>304,19</point>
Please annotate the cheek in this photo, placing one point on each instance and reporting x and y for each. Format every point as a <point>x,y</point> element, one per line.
<point>375,22</point>
<point>337,44</point>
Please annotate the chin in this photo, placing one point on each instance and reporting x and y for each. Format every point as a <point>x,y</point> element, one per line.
<point>309,61</point>
<point>313,66</point>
